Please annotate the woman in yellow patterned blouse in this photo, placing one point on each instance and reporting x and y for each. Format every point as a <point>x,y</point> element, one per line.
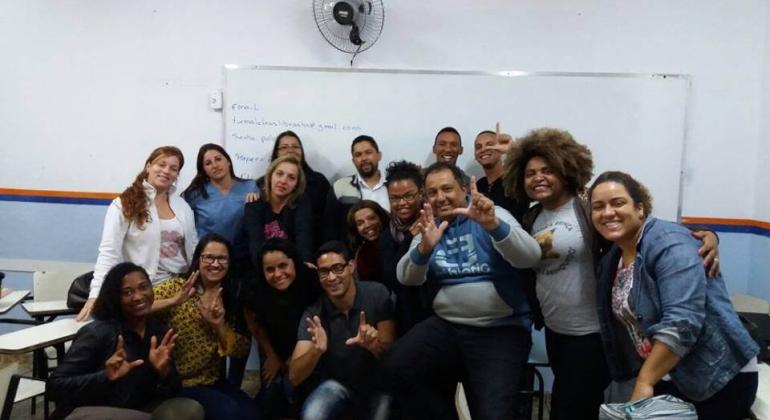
<point>202,309</point>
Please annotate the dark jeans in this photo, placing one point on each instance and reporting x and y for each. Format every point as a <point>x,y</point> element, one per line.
<point>276,399</point>
<point>733,402</point>
<point>222,401</point>
<point>580,375</point>
<point>491,360</point>
<point>236,366</point>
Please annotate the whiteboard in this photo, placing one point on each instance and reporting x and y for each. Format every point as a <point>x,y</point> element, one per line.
<point>631,122</point>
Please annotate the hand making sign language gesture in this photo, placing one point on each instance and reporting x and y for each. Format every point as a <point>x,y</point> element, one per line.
<point>117,366</point>
<point>430,233</point>
<point>503,142</point>
<point>481,209</point>
<point>187,291</point>
<point>317,333</point>
<point>367,337</point>
<point>160,355</point>
<point>213,312</point>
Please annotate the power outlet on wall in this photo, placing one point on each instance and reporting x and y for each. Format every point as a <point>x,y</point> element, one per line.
<point>215,99</point>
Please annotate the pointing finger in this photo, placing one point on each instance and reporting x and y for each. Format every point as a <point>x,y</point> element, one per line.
<point>474,188</point>
<point>135,363</point>
<point>361,319</point>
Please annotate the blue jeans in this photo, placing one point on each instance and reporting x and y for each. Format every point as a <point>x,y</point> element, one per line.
<point>222,401</point>
<point>331,399</point>
<point>489,360</point>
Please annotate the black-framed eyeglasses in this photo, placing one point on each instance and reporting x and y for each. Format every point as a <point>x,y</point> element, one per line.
<point>210,258</point>
<point>408,197</point>
<point>337,269</point>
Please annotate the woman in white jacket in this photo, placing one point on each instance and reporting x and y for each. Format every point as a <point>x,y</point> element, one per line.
<point>148,225</point>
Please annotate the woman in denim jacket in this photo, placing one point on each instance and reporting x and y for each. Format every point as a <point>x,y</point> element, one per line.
<point>661,320</point>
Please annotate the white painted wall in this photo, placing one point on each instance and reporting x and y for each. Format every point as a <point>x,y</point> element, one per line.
<point>762,175</point>
<point>136,74</point>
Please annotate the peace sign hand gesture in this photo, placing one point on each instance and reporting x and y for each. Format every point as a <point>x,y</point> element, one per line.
<point>160,355</point>
<point>214,313</point>
<point>366,337</point>
<point>117,366</point>
<point>317,333</point>
<point>430,233</point>
<point>481,209</point>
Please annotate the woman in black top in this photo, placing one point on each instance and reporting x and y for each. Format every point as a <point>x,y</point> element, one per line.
<point>286,286</point>
<point>120,364</point>
<point>288,143</point>
<point>282,212</point>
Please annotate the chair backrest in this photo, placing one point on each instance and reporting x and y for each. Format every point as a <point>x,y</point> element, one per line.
<point>5,380</point>
<point>53,284</point>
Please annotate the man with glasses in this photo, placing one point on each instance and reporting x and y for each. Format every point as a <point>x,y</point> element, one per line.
<point>341,339</point>
<point>471,255</point>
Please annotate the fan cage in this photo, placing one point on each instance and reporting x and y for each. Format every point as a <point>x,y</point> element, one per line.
<point>369,25</point>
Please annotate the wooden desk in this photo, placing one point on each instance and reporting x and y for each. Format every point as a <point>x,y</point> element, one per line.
<point>50,309</point>
<point>12,299</point>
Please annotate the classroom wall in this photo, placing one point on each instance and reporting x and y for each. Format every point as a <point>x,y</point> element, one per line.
<point>149,66</point>
<point>759,276</point>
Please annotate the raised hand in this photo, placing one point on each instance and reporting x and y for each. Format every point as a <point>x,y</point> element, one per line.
<point>187,291</point>
<point>160,355</point>
<point>366,337</point>
<point>317,333</point>
<point>481,209</point>
<point>251,197</point>
<point>503,140</point>
<point>117,366</point>
<point>213,313</point>
<point>431,234</point>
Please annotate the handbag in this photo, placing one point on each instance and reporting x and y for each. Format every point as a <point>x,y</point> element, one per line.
<point>655,408</point>
<point>77,295</point>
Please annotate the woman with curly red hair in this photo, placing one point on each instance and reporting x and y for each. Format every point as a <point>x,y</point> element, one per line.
<point>148,225</point>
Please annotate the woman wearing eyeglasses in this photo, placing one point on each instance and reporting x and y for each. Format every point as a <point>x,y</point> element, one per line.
<point>205,319</point>
<point>404,182</point>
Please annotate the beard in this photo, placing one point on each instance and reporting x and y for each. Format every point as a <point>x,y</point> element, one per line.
<point>367,170</point>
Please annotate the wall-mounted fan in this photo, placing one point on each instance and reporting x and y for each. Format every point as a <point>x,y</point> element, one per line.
<point>351,26</point>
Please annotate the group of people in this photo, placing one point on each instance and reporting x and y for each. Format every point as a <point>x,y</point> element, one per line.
<point>373,296</point>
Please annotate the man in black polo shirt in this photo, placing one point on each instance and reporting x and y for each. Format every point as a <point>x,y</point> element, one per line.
<point>341,339</point>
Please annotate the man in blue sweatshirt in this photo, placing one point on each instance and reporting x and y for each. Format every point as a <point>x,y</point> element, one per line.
<point>480,332</point>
